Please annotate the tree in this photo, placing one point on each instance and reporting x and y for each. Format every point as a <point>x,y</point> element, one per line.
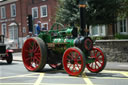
<point>123,10</point>
<point>68,12</point>
<point>97,12</point>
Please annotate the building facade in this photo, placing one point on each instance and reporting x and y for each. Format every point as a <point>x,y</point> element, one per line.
<point>121,27</point>
<point>14,18</point>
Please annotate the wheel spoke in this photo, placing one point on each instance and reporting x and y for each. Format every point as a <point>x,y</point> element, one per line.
<point>77,65</point>
<point>70,66</point>
<point>76,55</point>
<point>91,65</point>
<point>99,60</point>
<point>30,44</point>
<point>96,53</point>
<point>73,68</point>
<point>97,65</point>
<point>36,49</point>
<point>70,56</point>
<point>27,51</point>
<point>27,59</point>
<point>37,54</point>
<point>37,58</point>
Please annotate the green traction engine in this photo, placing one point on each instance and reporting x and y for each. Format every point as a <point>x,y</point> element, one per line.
<point>63,47</point>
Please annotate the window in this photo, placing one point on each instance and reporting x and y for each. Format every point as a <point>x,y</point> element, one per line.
<point>43,24</point>
<point>43,10</point>
<point>35,12</point>
<point>3,12</point>
<point>123,25</point>
<point>95,30</point>
<point>13,33</point>
<point>102,30</point>
<point>3,30</point>
<point>13,10</point>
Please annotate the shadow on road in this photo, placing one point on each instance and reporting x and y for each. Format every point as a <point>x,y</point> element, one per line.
<point>53,71</point>
<point>107,75</point>
<point>5,63</point>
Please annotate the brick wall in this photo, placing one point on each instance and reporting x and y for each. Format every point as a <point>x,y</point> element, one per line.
<point>115,50</point>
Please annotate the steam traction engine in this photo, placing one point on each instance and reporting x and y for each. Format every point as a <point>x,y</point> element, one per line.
<point>62,47</point>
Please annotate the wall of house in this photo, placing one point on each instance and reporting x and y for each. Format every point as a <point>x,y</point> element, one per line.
<point>51,11</point>
<point>115,50</point>
<point>23,9</point>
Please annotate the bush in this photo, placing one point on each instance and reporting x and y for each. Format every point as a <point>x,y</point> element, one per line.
<point>121,36</point>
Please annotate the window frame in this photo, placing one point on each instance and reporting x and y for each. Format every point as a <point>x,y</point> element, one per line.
<point>11,6</point>
<point>34,8</point>
<point>14,35</point>
<point>123,27</point>
<point>42,11</point>
<point>2,29</point>
<point>3,16</point>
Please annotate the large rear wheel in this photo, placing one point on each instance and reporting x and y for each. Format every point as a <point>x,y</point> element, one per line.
<point>74,61</point>
<point>99,60</point>
<point>34,54</point>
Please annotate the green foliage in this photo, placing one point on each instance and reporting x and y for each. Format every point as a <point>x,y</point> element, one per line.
<point>97,12</point>
<point>68,12</point>
<point>123,10</point>
<point>121,36</point>
<point>103,11</point>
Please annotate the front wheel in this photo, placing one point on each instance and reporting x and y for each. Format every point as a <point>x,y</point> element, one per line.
<point>99,60</point>
<point>9,58</point>
<point>74,61</point>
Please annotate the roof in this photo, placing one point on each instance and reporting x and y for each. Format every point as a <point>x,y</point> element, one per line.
<point>7,2</point>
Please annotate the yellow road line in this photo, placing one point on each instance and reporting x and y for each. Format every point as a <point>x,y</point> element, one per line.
<point>16,83</point>
<point>68,77</point>
<point>108,78</point>
<point>112,71</point>
<point>38,81</point>
<point>40,84</point>
<point>18,76</point>
<point>60,84</point>
<point>125,73</point>
<point>86,79</point>
<point>56,76</point>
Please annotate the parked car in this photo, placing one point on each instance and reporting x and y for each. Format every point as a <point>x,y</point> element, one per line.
<point>5,53</point>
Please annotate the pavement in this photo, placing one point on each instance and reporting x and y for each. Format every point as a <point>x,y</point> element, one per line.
<point>121,66</point>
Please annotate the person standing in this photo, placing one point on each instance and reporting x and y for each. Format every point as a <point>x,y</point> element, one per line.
<point>44,27</point>
<point>38,27</point>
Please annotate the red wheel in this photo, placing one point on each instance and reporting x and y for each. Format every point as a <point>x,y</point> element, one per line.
<point>9,58</point>
<point>100,60</point>
<point>74,61</point>
<point>34,54</point>
<point>58,66</point>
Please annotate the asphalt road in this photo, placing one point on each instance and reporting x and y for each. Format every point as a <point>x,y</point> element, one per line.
<point>16,74</point>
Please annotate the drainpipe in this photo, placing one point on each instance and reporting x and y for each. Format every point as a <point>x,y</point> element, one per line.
<point>21,21</point>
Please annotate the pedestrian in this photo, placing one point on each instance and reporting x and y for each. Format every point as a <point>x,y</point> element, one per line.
<point>38,27</point>
<point>44,27</point>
